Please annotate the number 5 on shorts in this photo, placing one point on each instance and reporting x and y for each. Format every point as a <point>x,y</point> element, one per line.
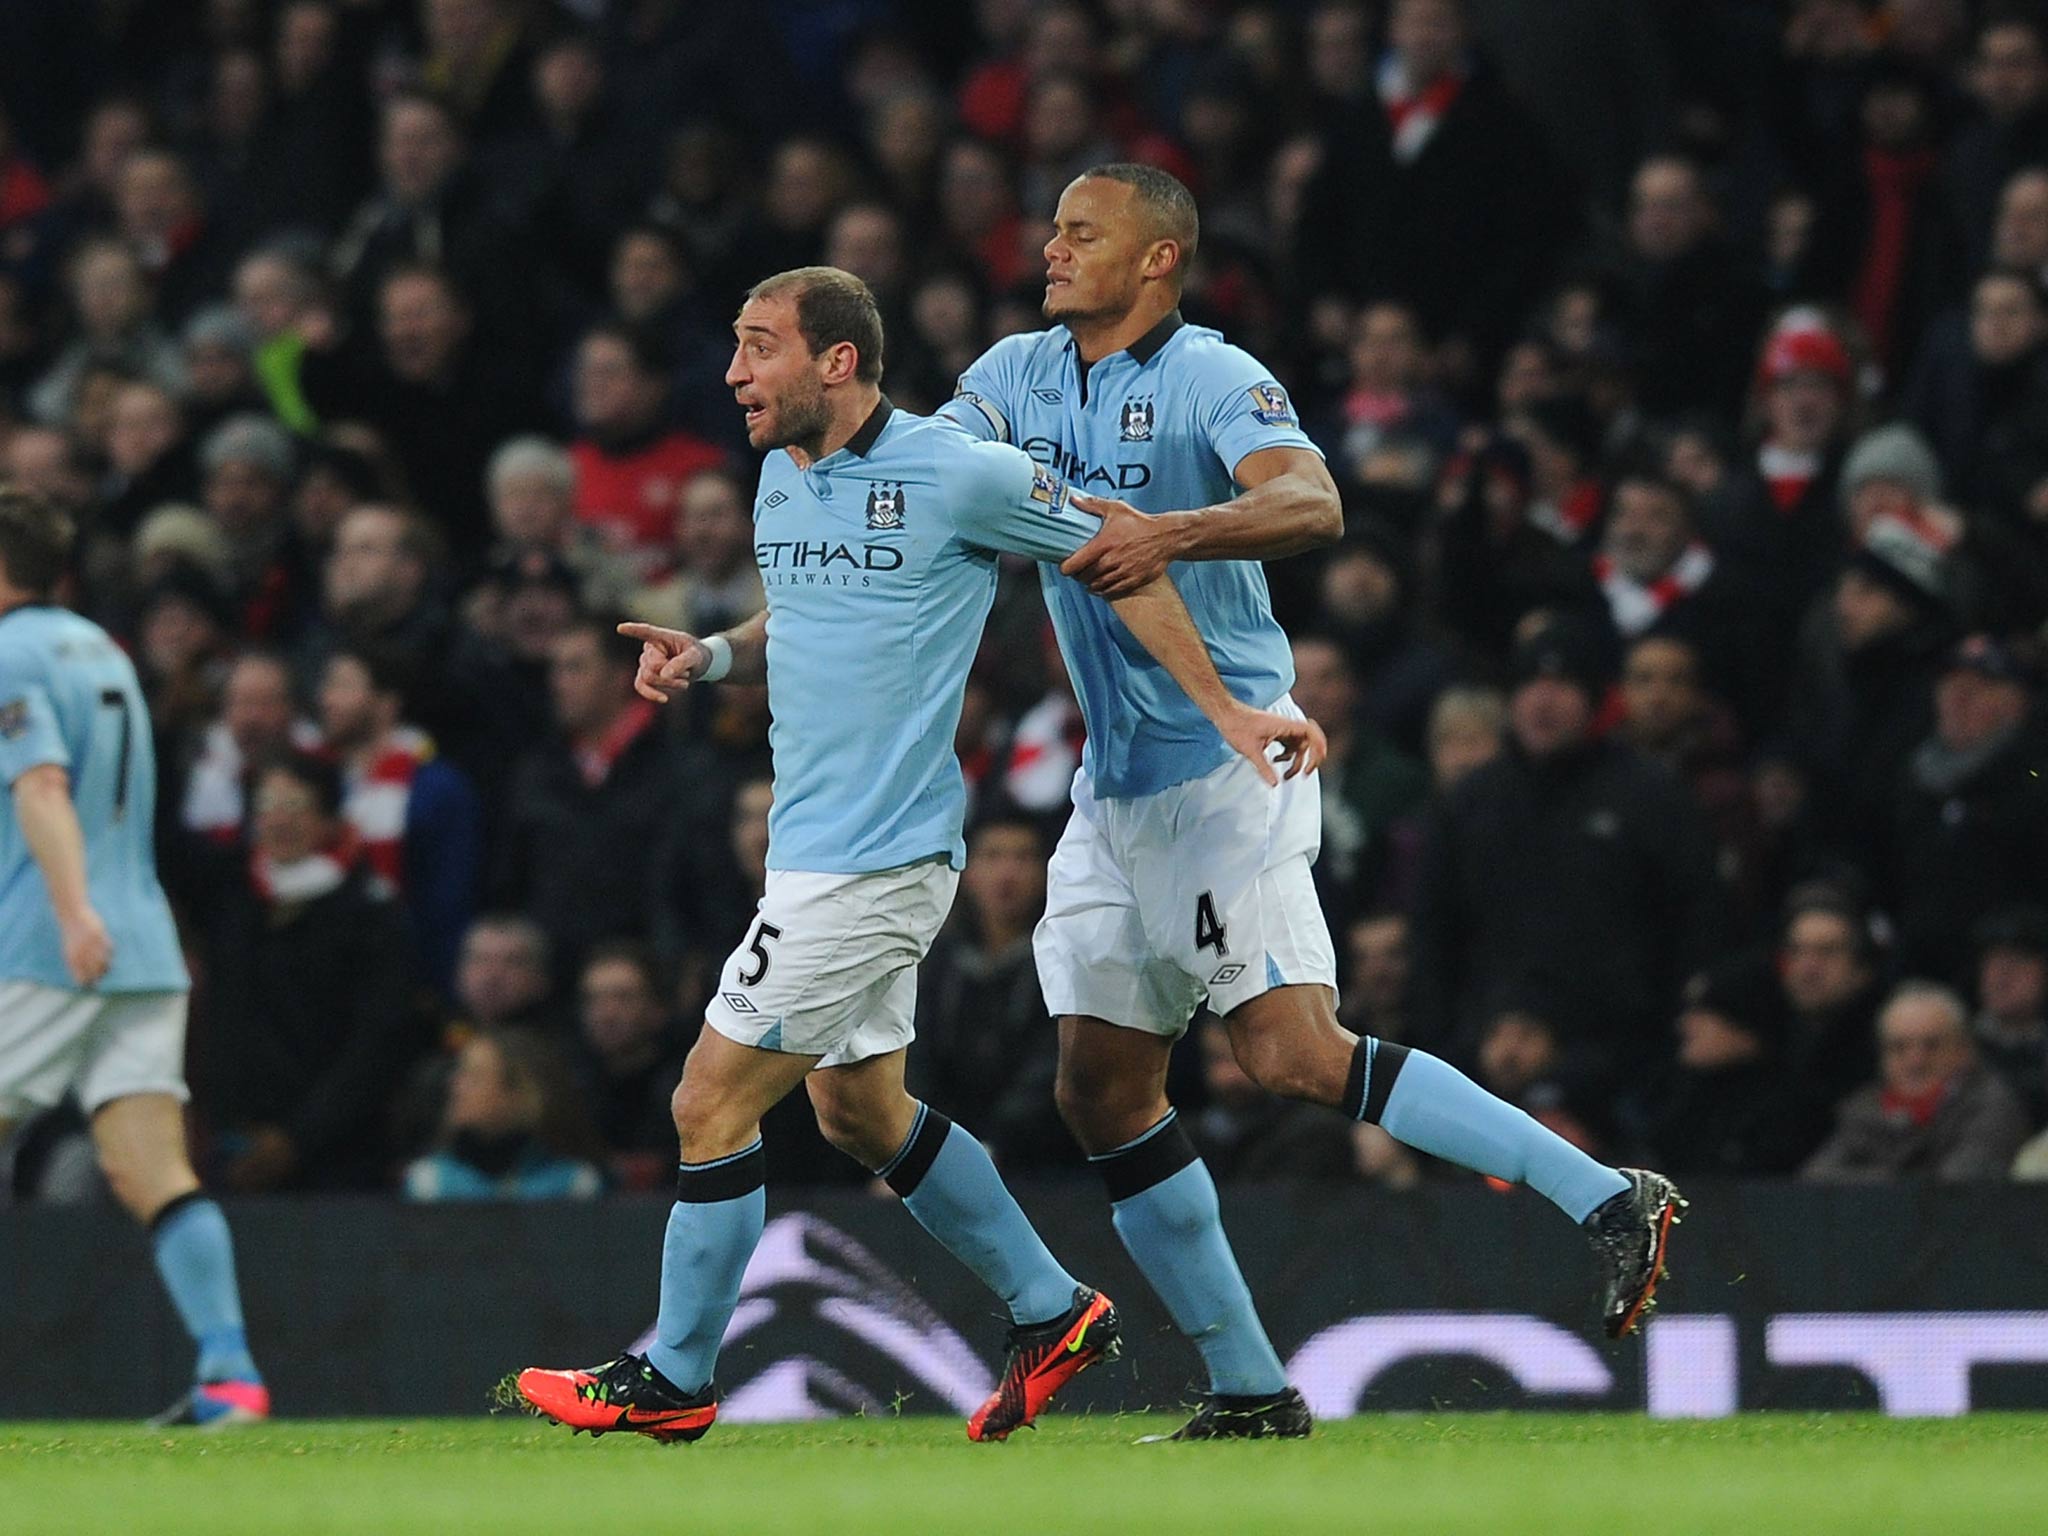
<point>762,931</point>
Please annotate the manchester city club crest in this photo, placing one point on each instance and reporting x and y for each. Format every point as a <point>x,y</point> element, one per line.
<point>1135,425</point>
<point>885,506</point>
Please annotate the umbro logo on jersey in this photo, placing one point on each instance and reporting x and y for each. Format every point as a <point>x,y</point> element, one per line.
<point>1225,976</point>
<point>775,499</point>
<point>885,506</point>
<point>1135,424</point>
<point>738,1002</point>
<point>1048,396</point>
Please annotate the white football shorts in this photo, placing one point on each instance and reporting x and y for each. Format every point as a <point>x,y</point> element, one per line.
<point>829,967</point>
<point>1201,892</point>
<point>105,1045</point>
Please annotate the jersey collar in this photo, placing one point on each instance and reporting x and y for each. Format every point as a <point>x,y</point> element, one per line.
<point>864,439</point>
<point>1147,346</point>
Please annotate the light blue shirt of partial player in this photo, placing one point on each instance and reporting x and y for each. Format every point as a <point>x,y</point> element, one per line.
<point>1162,425</point>
<point>69,697</point>
<point>879,563</point>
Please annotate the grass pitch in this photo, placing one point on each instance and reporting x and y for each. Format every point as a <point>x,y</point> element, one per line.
<point>1494,1474</point>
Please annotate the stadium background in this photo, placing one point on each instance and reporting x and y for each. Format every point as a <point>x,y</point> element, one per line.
<point>1693,355</point>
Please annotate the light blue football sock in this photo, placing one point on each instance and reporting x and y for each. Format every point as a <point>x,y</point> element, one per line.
<point>196,1257</point>
<point>1163,1204</point>
<point>1430,1105</point>
<point>948,1183</point>
<point>713,1229</point>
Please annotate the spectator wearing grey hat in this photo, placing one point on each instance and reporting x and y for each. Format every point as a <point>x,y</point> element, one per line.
<point>1864,698</point>
<point>1969,833</point>
<point>245,469</point>
<point>219,369</point>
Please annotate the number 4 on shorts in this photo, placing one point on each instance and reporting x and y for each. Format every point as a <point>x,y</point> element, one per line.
<point>1209,933</point>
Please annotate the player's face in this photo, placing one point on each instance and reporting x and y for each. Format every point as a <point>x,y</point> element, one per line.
<point>774,377</point>
<point>1096,254</point>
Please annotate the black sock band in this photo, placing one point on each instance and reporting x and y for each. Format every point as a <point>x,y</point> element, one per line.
<point>906,1170</point>
<point>1375,1067</point>
<point>1152,1159</point>
<point>171,1208</point>
<point>727,1179</point>
<point>1354,1083</point>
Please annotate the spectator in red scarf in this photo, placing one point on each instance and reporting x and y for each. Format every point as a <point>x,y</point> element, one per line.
<point>1904,249</point>
<point>631,465</point>
<point>257,721</point>
<point>587,811</point>
<point>415,814</point>
<point>1803,395</point>
<point>304,1022</point>
<point>1936,1112</point>
<point>1444,197</point>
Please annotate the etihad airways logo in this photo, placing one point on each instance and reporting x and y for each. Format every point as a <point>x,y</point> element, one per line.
<point>1126,476</point>
<point>824,562</point>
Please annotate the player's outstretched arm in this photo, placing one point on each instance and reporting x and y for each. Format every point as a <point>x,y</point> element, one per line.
<point>1290,504</point>
<point>1159,619</point>
<point>672,659</point>
<point>49,825</point>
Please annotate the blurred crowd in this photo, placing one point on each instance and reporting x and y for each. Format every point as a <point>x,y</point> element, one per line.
<point>1684,369</point>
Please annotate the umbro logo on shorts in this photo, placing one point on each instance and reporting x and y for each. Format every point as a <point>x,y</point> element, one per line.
<point>1226,975</point>
<point>738,1002</point>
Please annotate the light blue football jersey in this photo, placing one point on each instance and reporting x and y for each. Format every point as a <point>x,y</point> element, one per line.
<point>879,564</point>
<point>1162,425</point>
<point>68,696</point>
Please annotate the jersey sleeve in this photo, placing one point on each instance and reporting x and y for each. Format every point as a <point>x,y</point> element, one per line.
<point>984,403</point>
<point>1243,409</point>
<point>1002,501</point>
<point>29,736</point>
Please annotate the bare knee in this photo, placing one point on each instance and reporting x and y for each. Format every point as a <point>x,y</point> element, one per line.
<point>1289,1042</point>
<point>141,1148</point>
<point>1106,1102</point>
<point>856,1130</point>
<point>707,1127</point>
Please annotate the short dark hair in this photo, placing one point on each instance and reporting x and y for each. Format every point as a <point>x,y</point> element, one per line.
<point>390,671</point>
<point>319,774</point>
<point>35,539</point>
<point>612,647</point>
<point>1166,200</point>
<point>648,353</point>
<point>831,307</point>
<point>625,952</point>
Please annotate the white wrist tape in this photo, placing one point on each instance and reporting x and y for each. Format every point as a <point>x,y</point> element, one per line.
<point>720,651</point>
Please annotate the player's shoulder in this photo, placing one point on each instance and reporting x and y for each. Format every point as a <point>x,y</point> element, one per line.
<point>958,461</point>
<point>1019,356</point>
<point>1210,354</point>
<point>37,637</point>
